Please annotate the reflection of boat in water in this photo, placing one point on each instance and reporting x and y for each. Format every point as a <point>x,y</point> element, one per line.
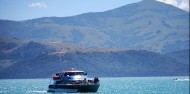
<point>73,80</point>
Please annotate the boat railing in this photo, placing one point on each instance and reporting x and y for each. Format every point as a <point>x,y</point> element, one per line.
<point>77,82</point>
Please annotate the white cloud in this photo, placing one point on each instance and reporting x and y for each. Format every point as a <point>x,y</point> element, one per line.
<point>182,4</point>
<point>38,5</point>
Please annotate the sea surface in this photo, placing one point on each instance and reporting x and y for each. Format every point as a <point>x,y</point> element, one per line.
<point>110,85</point>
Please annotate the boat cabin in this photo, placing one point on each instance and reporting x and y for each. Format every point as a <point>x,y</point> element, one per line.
<point>72,80</point>
<point>71,74</point>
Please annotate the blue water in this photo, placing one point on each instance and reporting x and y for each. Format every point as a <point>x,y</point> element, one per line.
<point>112,85</point>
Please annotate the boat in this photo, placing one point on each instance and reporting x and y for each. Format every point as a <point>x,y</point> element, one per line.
<point>73,81</point>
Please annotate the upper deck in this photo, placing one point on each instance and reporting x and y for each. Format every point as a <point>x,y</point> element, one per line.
<point>71,72</point>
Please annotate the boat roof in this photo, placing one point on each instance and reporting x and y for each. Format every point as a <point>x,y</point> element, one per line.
<point>72,70</point>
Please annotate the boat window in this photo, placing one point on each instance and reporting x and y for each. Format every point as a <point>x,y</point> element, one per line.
<point>74,73</point>
<point>80,73</point>
<point>66,74</point>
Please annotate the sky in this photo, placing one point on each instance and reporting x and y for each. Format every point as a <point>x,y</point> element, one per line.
<point>19,10</point>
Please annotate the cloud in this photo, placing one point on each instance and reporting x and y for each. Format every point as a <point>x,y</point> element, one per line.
<point>182,4</point>
<point>38,5</point>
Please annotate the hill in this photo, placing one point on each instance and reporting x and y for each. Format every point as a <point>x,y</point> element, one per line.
<point>103,64</point>
<point>147,38</point>
<point>146,25</point>
<point>36,60</point>
<point>180,56</point>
